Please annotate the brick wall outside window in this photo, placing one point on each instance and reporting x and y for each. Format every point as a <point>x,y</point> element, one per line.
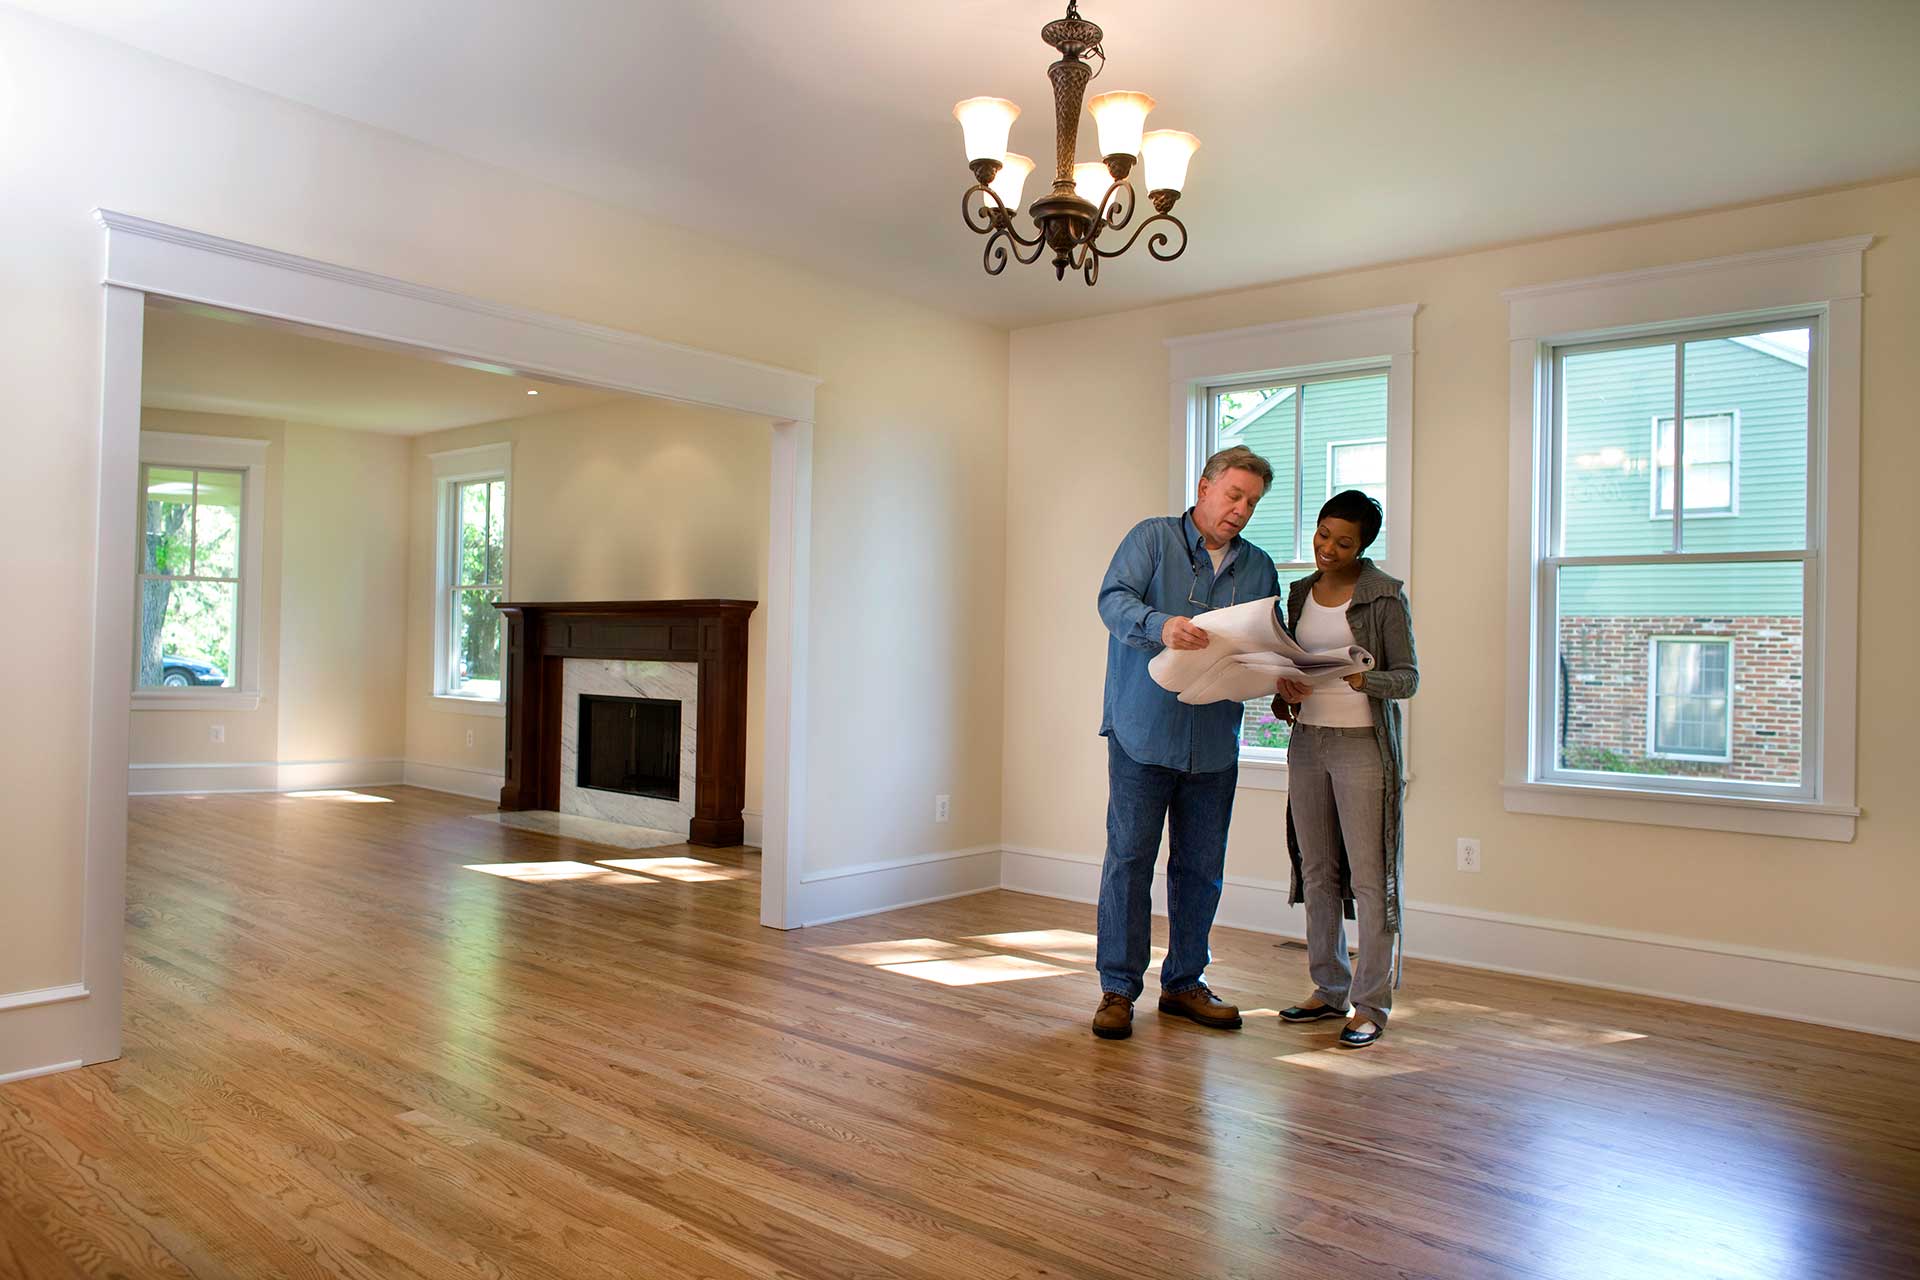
<point>1604,686</point>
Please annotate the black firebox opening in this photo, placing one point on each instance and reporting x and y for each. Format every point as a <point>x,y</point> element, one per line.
<point>631,745</point>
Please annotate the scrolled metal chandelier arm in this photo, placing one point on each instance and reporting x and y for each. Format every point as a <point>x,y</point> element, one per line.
<point>994,217</point>
<point>1065,220</point>
<point>994,256</point>
<point>1155,243</point>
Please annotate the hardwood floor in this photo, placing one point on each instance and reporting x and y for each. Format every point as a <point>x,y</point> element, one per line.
<point>349,1053</point>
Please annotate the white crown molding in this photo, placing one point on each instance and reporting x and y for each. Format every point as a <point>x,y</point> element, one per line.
<point>1406,309</point>
<point>1783,281</point>
<point>176,262</point>
<point>186,449</point>
<point>1351,339</point>
<point>1638,275</point>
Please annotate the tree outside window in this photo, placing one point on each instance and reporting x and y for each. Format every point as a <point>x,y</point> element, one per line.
<point>477,579</point>
<point>189,576</point>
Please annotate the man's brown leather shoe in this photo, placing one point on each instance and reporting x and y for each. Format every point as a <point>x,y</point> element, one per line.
<point>1202,1006</point>
<point>1113,1020</point>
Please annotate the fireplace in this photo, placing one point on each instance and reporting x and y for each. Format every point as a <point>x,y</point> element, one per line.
<point>629,745</point>
<point>575,670</point>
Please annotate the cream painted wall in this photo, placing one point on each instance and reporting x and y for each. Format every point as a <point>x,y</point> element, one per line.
<point>1096,392</point>
<point>632,500</point>
<point>343,595</point>
<point>333,596</point>
<point>910,448</point>
<point>252,737</point>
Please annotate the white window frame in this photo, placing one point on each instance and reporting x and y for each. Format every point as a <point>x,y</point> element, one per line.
<point>212,453</point>
<point>1653,697</point>
<point>1821,281</point>
<point>1733,471</point>
<point>452,468</point>
<point>1293,351</point>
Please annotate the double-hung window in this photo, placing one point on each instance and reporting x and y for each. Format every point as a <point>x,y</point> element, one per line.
<point>471,575</point>
<point>1328,404</point>
<point>197,609</point>
<point>1681,639</point>
<point>1321,435</point>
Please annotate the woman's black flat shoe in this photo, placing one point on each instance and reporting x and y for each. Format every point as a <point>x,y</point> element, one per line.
<point>1351,1039</point>
<point>1311,1013</point>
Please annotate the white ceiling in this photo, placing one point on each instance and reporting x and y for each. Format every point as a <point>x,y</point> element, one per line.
<point>212,361</point>
<point>1336,133</point>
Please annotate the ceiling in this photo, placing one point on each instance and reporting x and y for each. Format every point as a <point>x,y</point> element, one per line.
<point>1334,135</point>
<point>211,361</point>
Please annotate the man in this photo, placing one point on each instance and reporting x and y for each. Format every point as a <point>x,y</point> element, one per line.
<point>1166,760</point>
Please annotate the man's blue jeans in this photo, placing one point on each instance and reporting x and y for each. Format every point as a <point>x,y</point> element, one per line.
<point>1142,799</point>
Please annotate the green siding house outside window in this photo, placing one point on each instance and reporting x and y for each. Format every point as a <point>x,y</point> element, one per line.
<point>1689,668</point>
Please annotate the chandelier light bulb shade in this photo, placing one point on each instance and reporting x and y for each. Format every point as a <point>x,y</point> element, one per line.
<point>985,123</point>
<point>1084,214</point>
<point>1120,117</point>
<point>1012,180</point>
<point>1090,181</point>
<point>1165,153</point>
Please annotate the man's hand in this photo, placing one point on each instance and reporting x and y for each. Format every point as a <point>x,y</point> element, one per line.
<point>1181,633</point>
<point>1292,692</point>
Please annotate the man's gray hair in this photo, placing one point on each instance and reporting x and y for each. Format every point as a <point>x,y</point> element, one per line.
<point>1243,458</point>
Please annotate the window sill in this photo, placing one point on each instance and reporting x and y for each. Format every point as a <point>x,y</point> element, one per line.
<point>1794,818</point>
<point>470,706</point>
<point>1263,775</point>
<point>196,700</point>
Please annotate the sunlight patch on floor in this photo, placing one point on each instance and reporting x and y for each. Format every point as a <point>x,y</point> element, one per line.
<point>898,951</point>
<point>1069,946</point>
<point>685,870</point>
<point>1353,1063</point>
<point>975,970</point>
<point>345,797</point>
<point>543,872</point>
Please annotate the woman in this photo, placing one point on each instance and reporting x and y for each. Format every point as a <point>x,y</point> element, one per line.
<point>1344,776</point>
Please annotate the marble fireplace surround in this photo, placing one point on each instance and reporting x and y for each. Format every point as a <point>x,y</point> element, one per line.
<point>694,651</point>
<point>624,678</point>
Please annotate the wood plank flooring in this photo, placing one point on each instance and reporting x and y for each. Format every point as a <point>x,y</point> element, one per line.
<point>351,1054</point>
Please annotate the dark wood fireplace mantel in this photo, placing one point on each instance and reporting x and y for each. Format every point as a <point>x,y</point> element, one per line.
<point>541,636</point>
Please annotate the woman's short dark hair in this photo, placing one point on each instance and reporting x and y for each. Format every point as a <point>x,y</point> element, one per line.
<point>1357,508</point>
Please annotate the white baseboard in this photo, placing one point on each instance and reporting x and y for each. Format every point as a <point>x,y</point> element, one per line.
<point>1860,997</point>
<point>270,775</point>
<point>30,1072</point>
<point>53,1029</point>
<point>841,893</point>
<point>755,823</point>
<point>477,784</point>
<point>45,995</point>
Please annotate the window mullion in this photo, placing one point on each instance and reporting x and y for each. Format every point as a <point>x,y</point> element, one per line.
<point>1299,465</point>
<point>1679,443</point>
<point>193,524</point>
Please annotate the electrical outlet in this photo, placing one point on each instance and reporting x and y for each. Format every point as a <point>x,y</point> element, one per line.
<point>942,808</point>
<point>216,733</point>
<point>469,737</point>
<point>1466,854</point>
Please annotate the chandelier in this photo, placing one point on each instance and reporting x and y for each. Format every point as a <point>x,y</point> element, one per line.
<point>1087,200</point>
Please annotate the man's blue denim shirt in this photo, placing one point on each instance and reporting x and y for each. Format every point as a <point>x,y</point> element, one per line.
<point>1162,570</point>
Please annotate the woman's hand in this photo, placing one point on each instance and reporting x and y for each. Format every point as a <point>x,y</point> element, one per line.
<point>1358,680</point>
<point>1292,692</point>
